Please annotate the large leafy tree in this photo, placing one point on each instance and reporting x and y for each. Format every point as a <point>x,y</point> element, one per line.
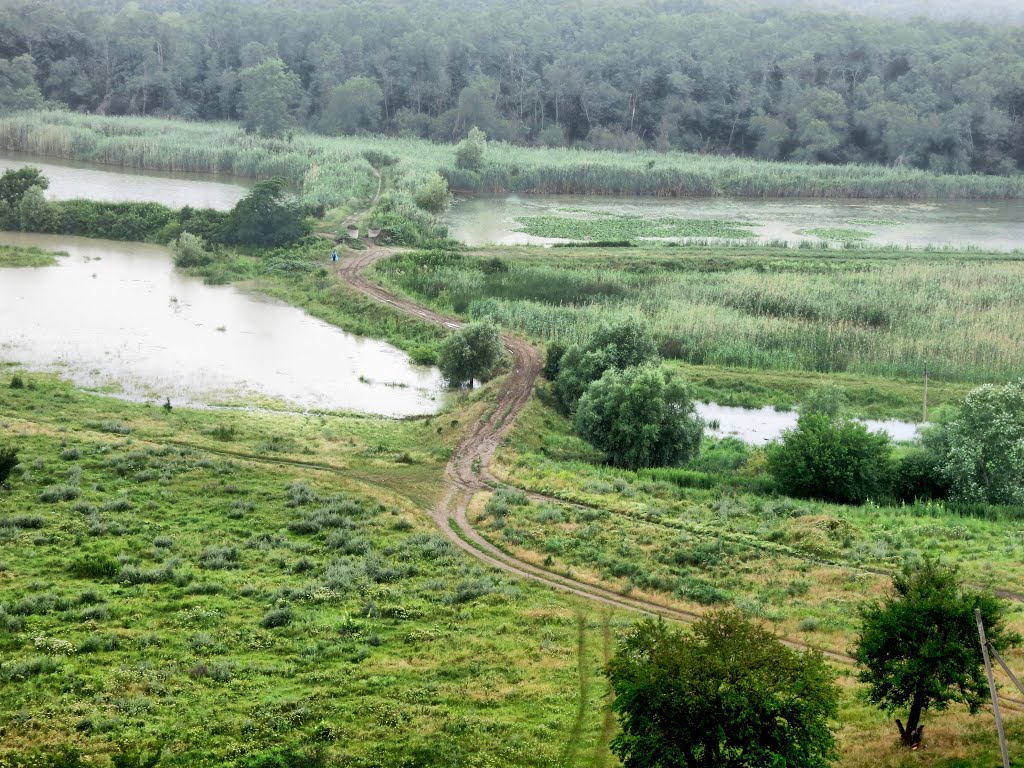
<point>918,648</point>
<point>353,106</point>
<point>985,461</point>
<point>470,353</point>
<point>640,417</point>
<point>15,183</point>
<point>271,96</point>
<point>266,216</point>
<point>616,345</point>
<point>18,89</point>
<point>832,459</point>
<point>731,694</point>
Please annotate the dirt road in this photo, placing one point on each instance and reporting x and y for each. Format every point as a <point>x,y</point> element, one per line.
<point>468,470</point>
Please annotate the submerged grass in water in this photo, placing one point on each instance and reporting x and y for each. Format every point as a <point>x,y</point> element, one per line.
<point>840,235</point>
<point>17,256</point>
<point>619,228</point>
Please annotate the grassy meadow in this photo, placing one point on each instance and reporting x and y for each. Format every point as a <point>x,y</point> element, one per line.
<point>336,170</point>
<point>876,313</point>
<point>235,585</point>
<point>251,588</point>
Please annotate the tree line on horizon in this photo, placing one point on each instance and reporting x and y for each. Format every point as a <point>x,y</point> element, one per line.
<point>776,83</point>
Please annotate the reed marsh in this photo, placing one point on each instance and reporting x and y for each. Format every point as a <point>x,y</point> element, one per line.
<point>333,170</point>
<point>876,313</point>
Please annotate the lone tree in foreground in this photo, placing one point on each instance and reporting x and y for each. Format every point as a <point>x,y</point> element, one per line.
<point>731,694</point>
<point>919,648</point>
<point>469,353</point>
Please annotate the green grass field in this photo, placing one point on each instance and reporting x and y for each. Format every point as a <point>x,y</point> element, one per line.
<point>234,583</point>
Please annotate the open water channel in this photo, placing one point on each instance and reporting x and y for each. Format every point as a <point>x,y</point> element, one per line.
<point>117,316</point>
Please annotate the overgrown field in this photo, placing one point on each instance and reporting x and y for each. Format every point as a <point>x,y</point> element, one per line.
<point>237,584</point>
<point>867,312</point>
<point>337,171</point>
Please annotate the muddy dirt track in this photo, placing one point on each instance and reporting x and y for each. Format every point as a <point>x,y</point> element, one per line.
<point>468,471</point>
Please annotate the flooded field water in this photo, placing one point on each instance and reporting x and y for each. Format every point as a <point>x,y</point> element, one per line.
<point>119,316</point>
<point>759,426</point>
<point>989,225</point>
<point>69,180</point>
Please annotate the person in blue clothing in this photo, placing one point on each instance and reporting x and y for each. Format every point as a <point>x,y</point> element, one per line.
<point>334,254</point>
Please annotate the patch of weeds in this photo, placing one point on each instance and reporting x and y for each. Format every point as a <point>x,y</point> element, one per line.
<point>218,558</point>
<point>60,492</point>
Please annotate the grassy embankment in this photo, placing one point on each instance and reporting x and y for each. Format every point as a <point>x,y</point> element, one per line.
<point>871,321</point>
<point>231,583</point>
<point>330,168</point>
<point>14,256</point>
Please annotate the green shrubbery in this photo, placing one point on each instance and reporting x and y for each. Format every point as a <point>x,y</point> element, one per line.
<point>8,461</point>
<point>641,416</point>
<point>470,353</point>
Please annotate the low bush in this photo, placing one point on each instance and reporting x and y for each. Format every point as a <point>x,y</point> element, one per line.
<point>61,492</point>
<point>278,617</point>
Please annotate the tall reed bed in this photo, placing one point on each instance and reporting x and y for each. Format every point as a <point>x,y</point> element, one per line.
<point>826,311</point>
<point>224,148</point>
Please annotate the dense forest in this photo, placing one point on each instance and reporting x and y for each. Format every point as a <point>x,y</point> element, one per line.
<point>774,82</point>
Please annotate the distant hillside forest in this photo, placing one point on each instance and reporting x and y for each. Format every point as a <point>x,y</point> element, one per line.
<point>774,83</point>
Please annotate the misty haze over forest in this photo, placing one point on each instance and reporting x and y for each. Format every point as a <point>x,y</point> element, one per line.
<point>778,81</point>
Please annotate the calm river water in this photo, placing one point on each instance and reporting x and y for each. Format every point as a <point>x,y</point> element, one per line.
<point>986,224</point>
<point>118,315</point>
<point>69,180</point>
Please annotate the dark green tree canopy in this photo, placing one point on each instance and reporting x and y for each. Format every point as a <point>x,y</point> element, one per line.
<point>271,96</point>
<point>613,346</point>
<point>731,694</point>
<point>353,106</point>
<point>640,417</point>
<point>768,79</point>
<point>470,353</point>
<point>831,460</point>
<point>18,89</point>
<point>918,649</point>
<point>16,182</point>
<point>266,216</point>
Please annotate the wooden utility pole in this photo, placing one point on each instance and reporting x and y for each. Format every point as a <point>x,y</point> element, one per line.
<point>924,418</point>
<point>992,688</point>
